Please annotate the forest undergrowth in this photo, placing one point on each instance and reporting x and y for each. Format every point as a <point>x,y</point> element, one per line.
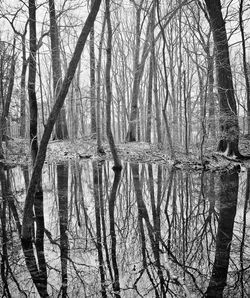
<point>17,152</point>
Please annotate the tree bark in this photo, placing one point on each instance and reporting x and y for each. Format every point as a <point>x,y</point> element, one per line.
<point>98,92</point>
<point>117,162</point>
<point>92,78</point>
<point>36,173</point>
<point>61,125</point>
<point>150,77</point>
<point>32,80</point>
<point>7,100</point>
<point>138,70</point>
<point>23,90</point>
<point>229,127</point>
<point>211,97</point>
<point>244,58</point>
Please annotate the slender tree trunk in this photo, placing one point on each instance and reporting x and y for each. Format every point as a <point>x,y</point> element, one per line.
<point>244,58</point>
<point>23,90</point>
<point>150,77</point>
<point>117,162</point>
<point>98,92</point>
<point>229,127</point>
<point>131,134</point>
<point>32,80</point>
<point>61,125</point>
<point>186,103</point>
<point>92,78</point>
<point>211,98</point>
<point>157,106</point>
<point>172,152</point>
<point>6,101</point>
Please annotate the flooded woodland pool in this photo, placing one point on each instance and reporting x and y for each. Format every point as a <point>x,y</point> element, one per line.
<point>147,231</point>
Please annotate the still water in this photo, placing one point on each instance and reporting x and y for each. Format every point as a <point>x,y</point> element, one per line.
<point>147,231</point>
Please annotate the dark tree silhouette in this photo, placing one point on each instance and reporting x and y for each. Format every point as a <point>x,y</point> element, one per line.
<point>229,184</point>
<point>229,127</point>
<point>62,187</point>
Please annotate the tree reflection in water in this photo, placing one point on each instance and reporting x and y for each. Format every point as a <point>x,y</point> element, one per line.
<point>147,231</point>
<point>62,188</point>
<point>229,184</point>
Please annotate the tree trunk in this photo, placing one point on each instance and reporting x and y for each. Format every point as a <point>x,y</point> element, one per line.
<point>133,118</point>
<point>6,101</point>
<point>229,127</point>
<point>117,162</point>
<point>211,97</point>
<point>23,90</point>
<point>229,184</point>
<point>32,80</point>
<point>98,92</point>
<point>172,152</point>
<point>150,77</point>
<point>157,106</point>
<point>92,78</point>
<point>61,125</point>
<point>244,58</point>
<point>36,173</point>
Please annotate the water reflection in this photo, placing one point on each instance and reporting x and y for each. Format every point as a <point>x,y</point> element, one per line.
<point>147,231</point>
<point>229,184</point>
<point>62,187</point>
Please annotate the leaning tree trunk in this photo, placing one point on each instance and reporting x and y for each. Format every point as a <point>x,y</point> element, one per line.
<point>229,127</point>
<point>61,125</point>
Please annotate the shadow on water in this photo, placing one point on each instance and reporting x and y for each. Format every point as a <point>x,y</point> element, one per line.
<point>145,231</point>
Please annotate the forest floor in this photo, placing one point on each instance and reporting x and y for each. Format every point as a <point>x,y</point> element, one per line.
<point>18,152</point>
